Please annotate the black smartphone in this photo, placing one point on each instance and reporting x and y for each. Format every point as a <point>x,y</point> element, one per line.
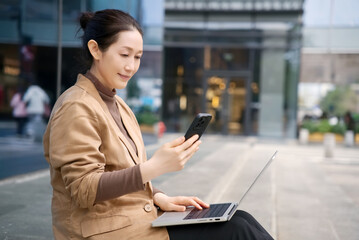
<point>199,125</point>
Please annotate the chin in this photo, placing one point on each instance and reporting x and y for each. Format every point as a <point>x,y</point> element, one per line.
<point>121,85</point>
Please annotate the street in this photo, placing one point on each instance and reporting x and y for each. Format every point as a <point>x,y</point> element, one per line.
<point>301,195</point>
<point>21,155</point>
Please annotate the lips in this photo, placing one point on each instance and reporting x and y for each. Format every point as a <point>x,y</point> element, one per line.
<point>124,77</point>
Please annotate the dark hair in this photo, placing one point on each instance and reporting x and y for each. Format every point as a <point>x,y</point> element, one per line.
<point>103,27</point>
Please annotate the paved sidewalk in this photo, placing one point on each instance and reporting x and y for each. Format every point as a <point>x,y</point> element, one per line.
<point>301,196</point>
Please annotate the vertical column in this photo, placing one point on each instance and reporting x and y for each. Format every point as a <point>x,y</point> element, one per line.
<point>291,92</point>
<point>59,49</point>
<point>272,86</point>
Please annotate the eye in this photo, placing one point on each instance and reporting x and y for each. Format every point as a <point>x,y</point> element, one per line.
<point>138,57</point>
<point>124,55</point>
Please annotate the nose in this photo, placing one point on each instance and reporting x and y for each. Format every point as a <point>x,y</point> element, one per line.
<point>130,66</point>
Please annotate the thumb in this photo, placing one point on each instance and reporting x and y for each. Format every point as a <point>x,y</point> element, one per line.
<point>177,208</point>
<point>176,142</point>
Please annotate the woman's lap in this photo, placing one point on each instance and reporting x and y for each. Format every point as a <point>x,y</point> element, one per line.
<point>242,226</point>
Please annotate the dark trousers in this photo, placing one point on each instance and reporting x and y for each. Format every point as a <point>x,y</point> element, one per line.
<point>21,122</point>
<point>242,226</point>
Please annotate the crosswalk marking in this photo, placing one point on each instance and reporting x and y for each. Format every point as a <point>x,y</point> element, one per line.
<point>18,144</point>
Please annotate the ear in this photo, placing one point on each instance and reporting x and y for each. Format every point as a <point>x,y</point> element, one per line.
<point>94,49</point>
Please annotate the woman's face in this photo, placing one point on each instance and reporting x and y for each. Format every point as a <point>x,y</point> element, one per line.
<point>120,61</point>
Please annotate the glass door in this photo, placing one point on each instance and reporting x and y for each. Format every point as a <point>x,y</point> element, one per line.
<point>225,99</point>
<point>215,102</point>
<point>236,92</point>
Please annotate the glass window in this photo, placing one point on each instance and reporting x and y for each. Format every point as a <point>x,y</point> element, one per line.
<point>48,10</point>
<point>9,9</point>
<point>229,59</point>
<point>40,10</point>
<point>71,10</point>
<point>182,85</point>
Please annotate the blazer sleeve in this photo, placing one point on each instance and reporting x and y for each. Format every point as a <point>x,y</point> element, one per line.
<point>75,143</point>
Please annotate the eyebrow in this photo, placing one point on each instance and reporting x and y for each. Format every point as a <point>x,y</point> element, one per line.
<point>131,49</point>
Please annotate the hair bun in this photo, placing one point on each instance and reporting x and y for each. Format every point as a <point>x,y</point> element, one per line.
<point>85,18</point>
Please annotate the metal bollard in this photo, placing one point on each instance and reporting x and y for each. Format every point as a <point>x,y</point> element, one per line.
<point>349,138</point>
<point>303,136</point>
<point>329,145</point>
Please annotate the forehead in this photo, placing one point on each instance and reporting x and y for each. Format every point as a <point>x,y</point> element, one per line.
<point>129,39</point>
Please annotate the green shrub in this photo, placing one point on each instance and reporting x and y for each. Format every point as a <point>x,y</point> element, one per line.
<point>338,129</point>
<point>324,126</point>
<point>146,116</point>
<point>356,117</point>
<point>310,125</point>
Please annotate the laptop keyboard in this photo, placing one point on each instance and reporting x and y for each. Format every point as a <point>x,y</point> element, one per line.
<point>215,210</point>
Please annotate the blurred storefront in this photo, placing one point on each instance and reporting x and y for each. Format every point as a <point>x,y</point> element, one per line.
<point>330,59</point>
<point>238,60</point>
<point>29,44</point>
<point>329,62</point>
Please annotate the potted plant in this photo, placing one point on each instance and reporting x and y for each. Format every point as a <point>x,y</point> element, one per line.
<point>317,130</point>
<point>147,119</point>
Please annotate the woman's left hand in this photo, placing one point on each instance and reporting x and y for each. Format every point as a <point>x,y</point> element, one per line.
<point>179,203</point>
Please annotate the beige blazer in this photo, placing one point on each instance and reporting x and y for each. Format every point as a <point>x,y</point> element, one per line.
<point>80,143</point>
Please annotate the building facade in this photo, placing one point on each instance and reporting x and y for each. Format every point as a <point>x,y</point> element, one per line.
<point>30,45</point>
<point>238,60</point>
<point>330,59</point>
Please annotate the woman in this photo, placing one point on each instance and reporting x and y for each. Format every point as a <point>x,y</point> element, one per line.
<point>99,171</point>
<point>19,111</point>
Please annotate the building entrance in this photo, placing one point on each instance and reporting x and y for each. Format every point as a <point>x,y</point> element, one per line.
<point>226,97</point>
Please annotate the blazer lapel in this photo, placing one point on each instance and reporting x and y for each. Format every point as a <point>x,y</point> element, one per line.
<point>129,147</point>
<point>132,130</point>
<point>86,84</point>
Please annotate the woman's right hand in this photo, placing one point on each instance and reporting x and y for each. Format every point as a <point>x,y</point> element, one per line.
<point>170,157</point>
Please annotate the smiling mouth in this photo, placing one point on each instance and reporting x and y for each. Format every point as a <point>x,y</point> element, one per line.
<point>124,77</point>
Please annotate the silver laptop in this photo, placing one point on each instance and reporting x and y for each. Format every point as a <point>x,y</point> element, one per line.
<point>220,212</point>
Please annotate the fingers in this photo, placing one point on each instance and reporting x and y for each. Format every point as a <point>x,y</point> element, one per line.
<point>176,142</point>
<point>188,143</point>
<point>190,201</point>
<point>200,202</point>
<point>187,157</point>
<point>177,208</point>
<point>181,144</point>
<point>195,204</point>
<point>174,155</point>
<point>188,153</point>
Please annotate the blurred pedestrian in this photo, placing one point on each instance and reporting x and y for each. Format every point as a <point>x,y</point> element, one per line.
<point>36,101</point>
<point>349,121</point>
<point>19,111</point>
<point>100,174</point>
<point>350,125</point>
<point>324,115</point>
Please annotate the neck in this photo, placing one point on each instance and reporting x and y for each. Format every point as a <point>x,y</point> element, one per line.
<point>93,70</point>
<point>99,86</point>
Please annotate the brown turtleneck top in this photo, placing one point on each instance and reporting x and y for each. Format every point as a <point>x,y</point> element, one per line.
<point>117,183</point>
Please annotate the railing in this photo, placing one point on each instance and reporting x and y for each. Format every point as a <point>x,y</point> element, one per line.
<point>235,5</point>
